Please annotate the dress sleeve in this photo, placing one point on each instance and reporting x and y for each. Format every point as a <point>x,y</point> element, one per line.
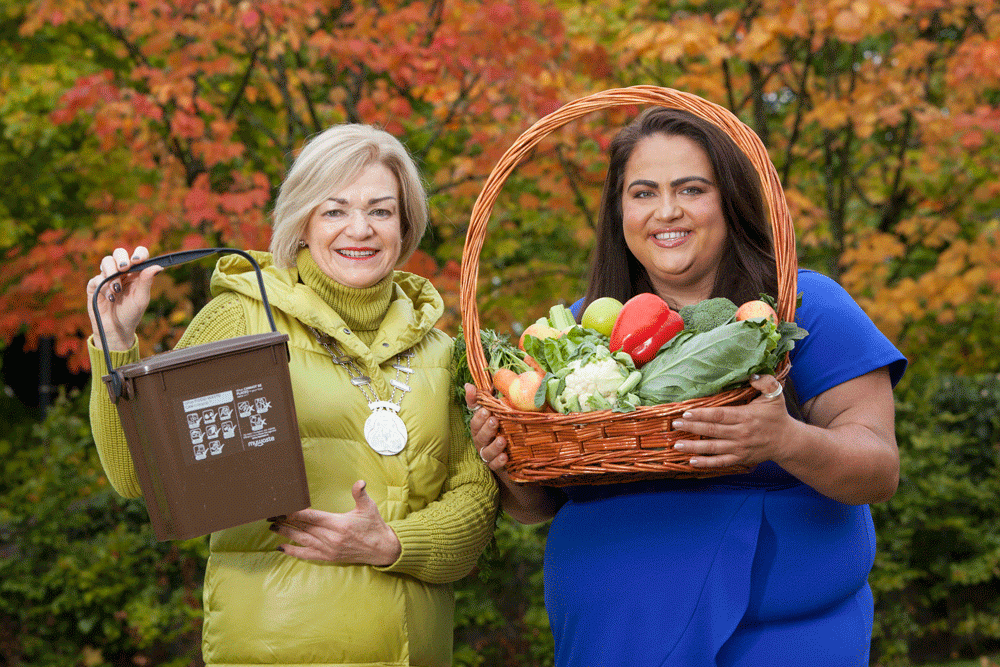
<point>223,317</point>
<point>442,542</point>
<point>843,342</point>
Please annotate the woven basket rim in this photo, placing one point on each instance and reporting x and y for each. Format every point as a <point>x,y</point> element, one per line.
<point>783,232</point>
<point>604,446</point>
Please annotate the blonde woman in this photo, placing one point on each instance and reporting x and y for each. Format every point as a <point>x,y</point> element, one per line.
<point>400,510</point>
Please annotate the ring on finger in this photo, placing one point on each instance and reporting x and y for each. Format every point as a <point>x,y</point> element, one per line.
<point>773,394</point>
<point>483,458</point>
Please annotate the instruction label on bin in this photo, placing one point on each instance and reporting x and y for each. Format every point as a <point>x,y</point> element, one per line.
<point>228,422</point>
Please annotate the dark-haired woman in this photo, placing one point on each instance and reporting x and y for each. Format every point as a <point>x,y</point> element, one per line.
<point>763,568</point>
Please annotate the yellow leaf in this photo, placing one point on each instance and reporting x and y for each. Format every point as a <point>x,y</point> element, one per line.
<point>848,26</point>
<point>92,656</point>
<point>756,42</point>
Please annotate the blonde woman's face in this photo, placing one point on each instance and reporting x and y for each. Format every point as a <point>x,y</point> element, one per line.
<point>355,235</point>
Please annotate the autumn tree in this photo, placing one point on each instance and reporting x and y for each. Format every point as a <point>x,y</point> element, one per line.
<point>190,112</point>
<point>882,118</point>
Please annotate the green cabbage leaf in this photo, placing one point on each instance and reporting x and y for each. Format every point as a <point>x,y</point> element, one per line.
<point>695,364</point>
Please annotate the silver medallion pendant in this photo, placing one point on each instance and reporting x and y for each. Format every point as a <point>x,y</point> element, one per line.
<point>384,430</point>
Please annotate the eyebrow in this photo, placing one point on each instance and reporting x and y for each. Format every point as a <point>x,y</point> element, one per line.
<point>376,200</point>
<point>674,183</point>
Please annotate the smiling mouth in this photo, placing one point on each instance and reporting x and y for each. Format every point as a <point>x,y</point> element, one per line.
<point>357,254</point>
<point>670,236</point>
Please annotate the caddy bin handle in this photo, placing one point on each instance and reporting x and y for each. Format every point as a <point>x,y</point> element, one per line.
<point>169,259</point>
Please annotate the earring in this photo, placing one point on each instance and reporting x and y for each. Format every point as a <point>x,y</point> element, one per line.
<point>302,244</point>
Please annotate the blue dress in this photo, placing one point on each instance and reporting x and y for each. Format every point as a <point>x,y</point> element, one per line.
<point>755,569</point>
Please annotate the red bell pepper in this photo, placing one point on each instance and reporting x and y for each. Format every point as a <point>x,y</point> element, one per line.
<point>643,326</point>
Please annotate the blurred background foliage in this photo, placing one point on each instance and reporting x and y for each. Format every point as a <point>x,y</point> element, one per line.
<point>171,124</point>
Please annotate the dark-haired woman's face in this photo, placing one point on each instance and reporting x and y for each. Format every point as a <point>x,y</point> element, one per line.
<point>672,216</point>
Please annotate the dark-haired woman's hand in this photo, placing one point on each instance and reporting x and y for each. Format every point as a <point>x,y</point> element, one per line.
<point>490,446</point>
<point>845,448</point>
<point>526,503</point>
<point>737,435</point>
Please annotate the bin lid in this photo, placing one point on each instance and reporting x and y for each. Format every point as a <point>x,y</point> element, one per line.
<point>197,353</point>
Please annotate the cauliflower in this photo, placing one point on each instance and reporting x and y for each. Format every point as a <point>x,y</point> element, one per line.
<point>708,314</point>
<point>601,381</point>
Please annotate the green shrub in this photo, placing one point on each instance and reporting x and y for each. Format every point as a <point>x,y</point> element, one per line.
<point>84,582</point>
<point>82,578</point>
<point>500,616</point>
<point>937,575</point>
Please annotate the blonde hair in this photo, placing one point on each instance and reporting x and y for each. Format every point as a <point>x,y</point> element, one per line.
<point>333,159</point>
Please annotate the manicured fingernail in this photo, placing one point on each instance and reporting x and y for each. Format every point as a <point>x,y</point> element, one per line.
<point>281,549</point>
<point>678,423</point>
<point>687,415</point>
<point>117,287</point>
<point>122,265</point>
<point>680,446</point>
<point>694,462</point>
<point>754,377</point>
<point>273,527</point>
<point>135,258</point>
<point>280,517</point>
<point>111,297</point>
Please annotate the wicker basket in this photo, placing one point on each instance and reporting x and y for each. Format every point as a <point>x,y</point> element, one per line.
<point>607,447</point>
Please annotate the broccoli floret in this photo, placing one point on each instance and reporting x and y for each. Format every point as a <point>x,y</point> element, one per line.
<point>708,314</point>
<point>686,313</point>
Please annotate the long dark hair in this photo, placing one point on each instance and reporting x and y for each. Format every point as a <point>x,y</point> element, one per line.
<point>747,267</point>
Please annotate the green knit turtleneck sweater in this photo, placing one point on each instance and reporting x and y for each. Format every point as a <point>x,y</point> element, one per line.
<point>362,309</point>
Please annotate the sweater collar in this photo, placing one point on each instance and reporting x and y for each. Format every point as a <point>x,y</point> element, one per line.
<point>362,309</point>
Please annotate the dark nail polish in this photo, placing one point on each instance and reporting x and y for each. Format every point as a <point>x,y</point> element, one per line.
<point>281,549</point>
<point>122,265</point>
<point>117,287</point>
<point>280,517</point>
<point>273,527</point>
<point>111,297</point>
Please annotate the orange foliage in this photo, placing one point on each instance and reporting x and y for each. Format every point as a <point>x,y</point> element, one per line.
<point>880,115</point>
<point>208,101</point>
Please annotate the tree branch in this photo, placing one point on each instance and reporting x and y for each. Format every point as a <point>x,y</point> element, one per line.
<point>244,82</point>
<point>578,198</point>
<point>801,94</point>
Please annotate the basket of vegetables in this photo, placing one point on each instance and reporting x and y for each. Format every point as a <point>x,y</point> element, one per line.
<point>593,403</point>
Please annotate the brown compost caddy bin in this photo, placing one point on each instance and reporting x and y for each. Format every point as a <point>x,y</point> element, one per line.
<point>211,428</point>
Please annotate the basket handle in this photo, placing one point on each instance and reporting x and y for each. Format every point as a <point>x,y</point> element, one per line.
<point>169,259</point>
<point>745,138</point>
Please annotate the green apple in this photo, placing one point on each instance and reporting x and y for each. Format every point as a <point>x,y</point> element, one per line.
<point>601,314</point>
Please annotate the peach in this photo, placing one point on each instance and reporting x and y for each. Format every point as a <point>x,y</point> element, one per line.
<point>754,309</point>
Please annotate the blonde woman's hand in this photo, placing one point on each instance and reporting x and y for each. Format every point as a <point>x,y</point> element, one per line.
<point>122,301</point>
<point>360,536</point>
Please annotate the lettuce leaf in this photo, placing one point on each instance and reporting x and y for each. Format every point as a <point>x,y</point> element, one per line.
<point>694,364</point>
